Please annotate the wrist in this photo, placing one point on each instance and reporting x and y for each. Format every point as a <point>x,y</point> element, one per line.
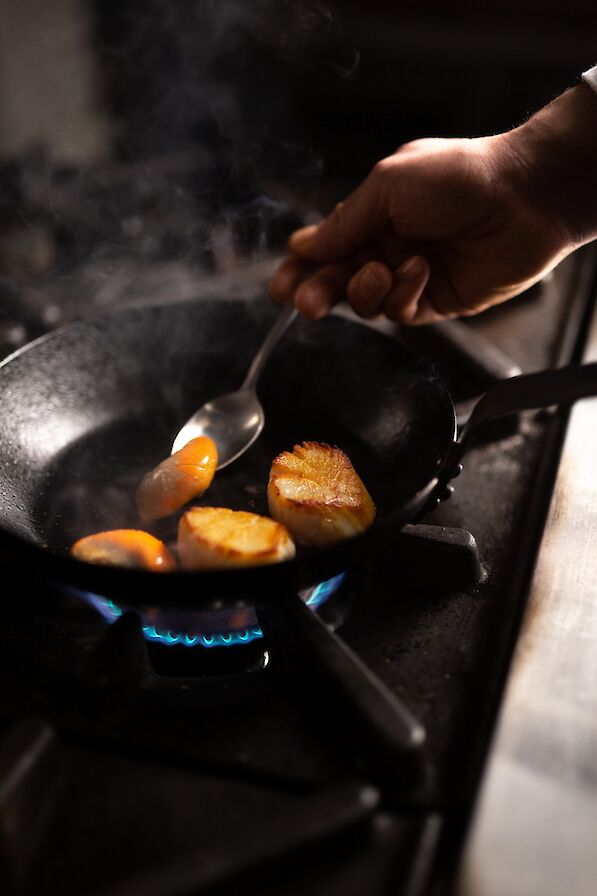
<point>555,161</point>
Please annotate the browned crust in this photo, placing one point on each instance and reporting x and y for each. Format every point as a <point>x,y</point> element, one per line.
<point>280,536</point>
<point>311,505</point>
<point>315,446</point>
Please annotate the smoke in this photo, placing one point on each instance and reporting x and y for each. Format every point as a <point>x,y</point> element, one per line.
<point>212,161</point>
<point>224,76</point>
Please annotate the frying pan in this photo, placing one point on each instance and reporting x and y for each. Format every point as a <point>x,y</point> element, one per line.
<point>87,410</point>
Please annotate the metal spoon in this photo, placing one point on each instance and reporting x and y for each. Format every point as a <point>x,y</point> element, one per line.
<point>235,420</point>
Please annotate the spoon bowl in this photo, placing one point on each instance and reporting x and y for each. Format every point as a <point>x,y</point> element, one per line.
<point>234,421</point>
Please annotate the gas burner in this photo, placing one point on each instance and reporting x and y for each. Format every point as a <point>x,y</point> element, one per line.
<point>218,627</point>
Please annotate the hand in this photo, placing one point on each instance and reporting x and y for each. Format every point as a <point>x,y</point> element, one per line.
<point>440,229</point>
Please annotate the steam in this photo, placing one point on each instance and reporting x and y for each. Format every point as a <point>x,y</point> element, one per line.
<point>216,75</point>
<point>210,162</point>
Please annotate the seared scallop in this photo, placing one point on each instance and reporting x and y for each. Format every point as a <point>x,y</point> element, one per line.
<point>218,538</point>
<point>181,477</point>
<point>125,547</point>
<point>316,493</point>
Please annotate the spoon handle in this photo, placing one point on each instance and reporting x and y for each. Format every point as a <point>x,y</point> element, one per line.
<point>283,321</point>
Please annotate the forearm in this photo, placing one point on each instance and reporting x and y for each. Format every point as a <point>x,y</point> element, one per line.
<point>557,152</point>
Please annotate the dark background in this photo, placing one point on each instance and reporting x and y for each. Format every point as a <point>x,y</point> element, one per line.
<point>304,91</point>
<point>144,141</point>
<point>313,92</point>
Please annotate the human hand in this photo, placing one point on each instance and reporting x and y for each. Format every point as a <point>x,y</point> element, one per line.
<point>440,229</point>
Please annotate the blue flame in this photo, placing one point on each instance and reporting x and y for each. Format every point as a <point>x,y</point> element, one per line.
<point>313,597</point>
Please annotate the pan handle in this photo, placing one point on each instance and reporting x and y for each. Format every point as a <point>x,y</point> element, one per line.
<point>525,393</point>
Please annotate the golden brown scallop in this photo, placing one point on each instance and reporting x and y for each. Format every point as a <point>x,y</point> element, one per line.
<point>125,547</point>
<point>316,493</point>
<point>219,538</point>
<point>181,477</point>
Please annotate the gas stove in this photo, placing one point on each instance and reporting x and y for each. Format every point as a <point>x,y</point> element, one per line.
<point>198,755</point>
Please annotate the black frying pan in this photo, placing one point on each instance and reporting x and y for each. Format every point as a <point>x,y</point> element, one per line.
<point>87,410</point>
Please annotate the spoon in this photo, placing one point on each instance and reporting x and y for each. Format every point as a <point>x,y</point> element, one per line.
<point>234,421</point>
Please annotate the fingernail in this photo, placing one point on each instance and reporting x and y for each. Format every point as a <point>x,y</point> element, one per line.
<point>302,237</point>
<point>412,269</point>
<point>370,279</point>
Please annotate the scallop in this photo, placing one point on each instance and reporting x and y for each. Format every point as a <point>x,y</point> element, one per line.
<point>219,538</point>
<point>178,479</point>
<point>315,492</point>
<point>125,547</point>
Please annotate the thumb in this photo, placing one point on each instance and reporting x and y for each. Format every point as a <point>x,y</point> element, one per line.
<point>352,224</point>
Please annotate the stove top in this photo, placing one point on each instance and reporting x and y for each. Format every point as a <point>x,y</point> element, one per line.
<point>143,765</point>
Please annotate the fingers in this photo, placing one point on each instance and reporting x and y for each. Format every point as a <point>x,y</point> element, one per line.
<point>423,293</point>
<point>405,302</point>
<point>368,288</point>
<point>352,224</point>
<point>402,295</point>
<point>316,295</point>
<point>409,295</point>
<point>374,289</point>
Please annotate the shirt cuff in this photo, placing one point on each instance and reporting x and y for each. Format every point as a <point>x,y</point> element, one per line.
<point>590,78</point>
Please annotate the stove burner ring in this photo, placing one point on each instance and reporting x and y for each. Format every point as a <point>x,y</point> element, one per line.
<point>216,628</point>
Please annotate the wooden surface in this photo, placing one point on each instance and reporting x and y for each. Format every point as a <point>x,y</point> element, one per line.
<point>535,828</point>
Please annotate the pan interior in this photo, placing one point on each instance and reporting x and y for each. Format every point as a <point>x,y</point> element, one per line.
<point>87,411</point>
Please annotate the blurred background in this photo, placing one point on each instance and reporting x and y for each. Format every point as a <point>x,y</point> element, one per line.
<point>146,143</point>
